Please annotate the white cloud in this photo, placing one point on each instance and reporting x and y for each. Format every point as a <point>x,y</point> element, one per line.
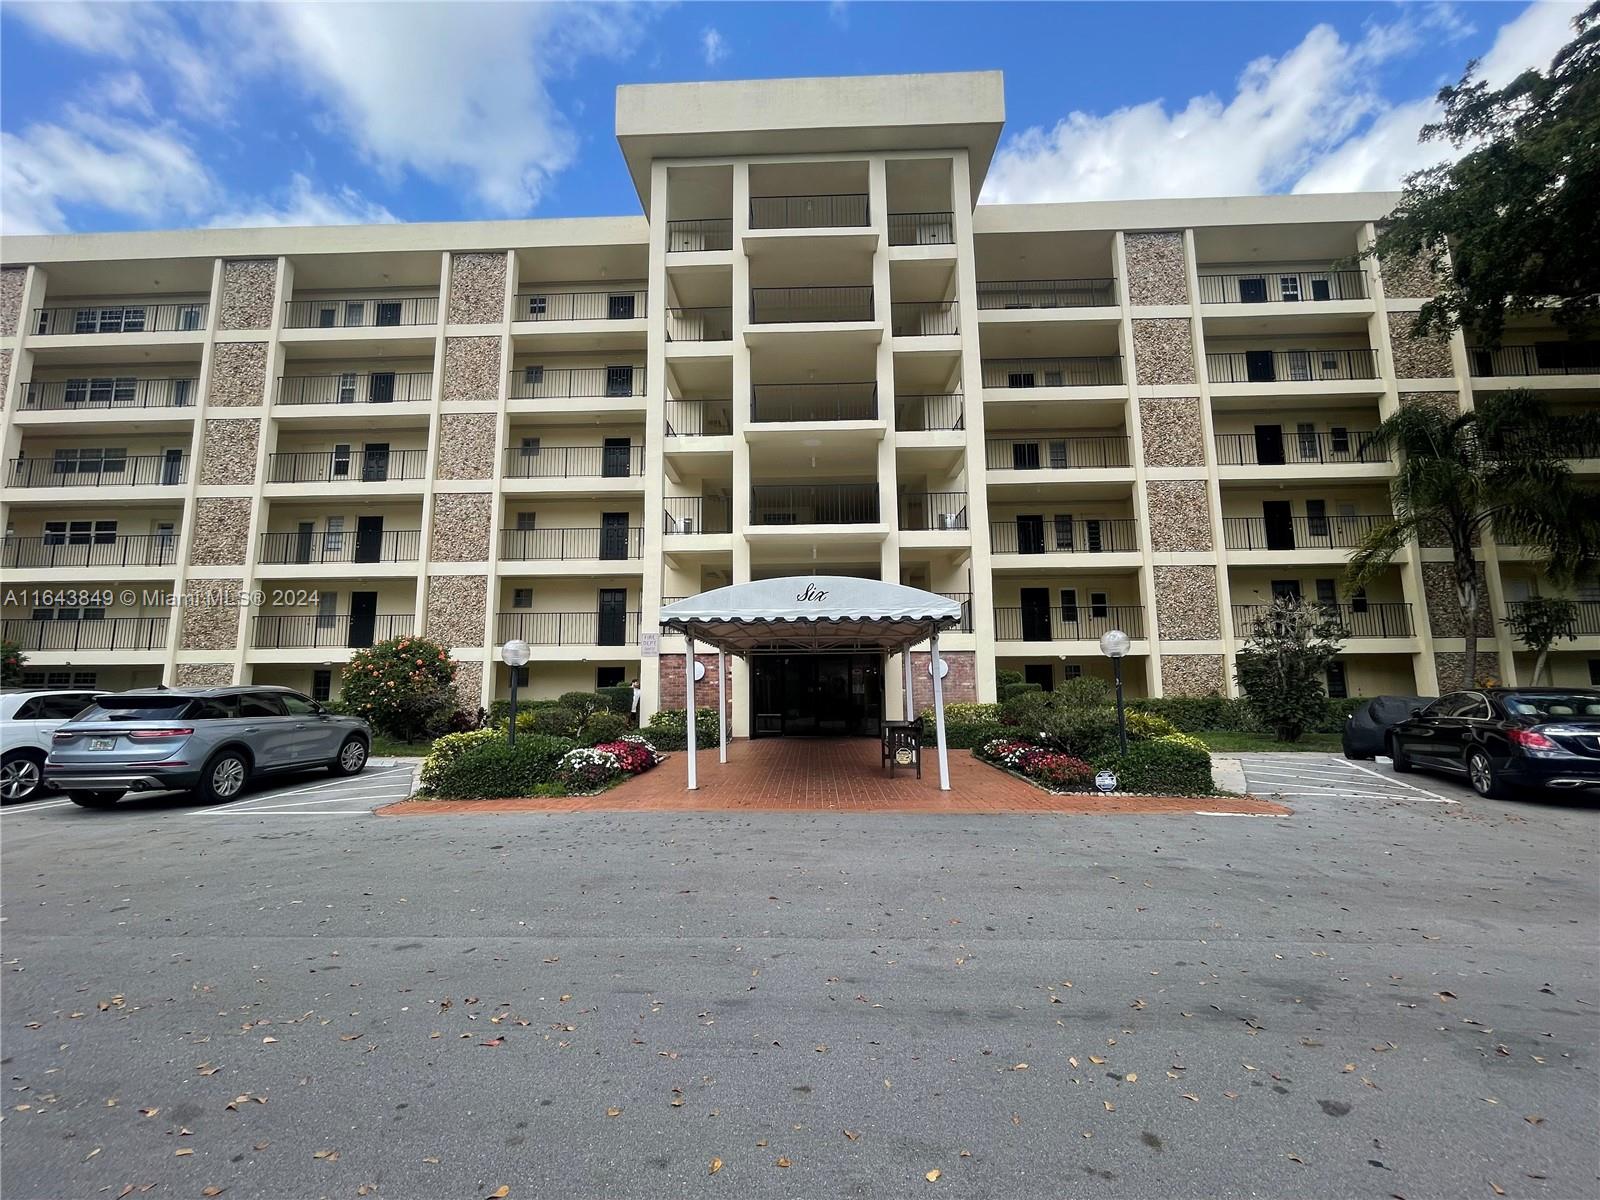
<point>144,172</point>
<point>713,45</point>
<point>1380,157</point>
<point>302,204</point>
<point>1310,120</point>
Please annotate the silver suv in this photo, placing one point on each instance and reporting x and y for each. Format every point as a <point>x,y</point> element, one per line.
<point>27,719</point>
<point>209,740</point>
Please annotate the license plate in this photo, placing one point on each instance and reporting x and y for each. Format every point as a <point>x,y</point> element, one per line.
<point>102,743</point>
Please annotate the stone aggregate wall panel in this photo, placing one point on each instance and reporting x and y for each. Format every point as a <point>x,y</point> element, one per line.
<point>238,374</point>
<point>1444,610</point>
<point>228,451</point>
<point>477,289</point>
<point>1446,403</point>
<point>1417,358</point>
<point>461,528</point>
<point>1408,278</point>
<point>249,292</point>
<point>12,282</point>
<point>1156,269</point>
<point>5,374</point>
<point>468,685</point>
<point>1452,668</point>
<point>1163,350</point>
<point>456,609</point>
<point>210,614</point>
<point>472,368</point>
<point>204,674</point>
<point>1192,674</point>
<point>221,531</point>
<point>1186,603</point>
<point>466,445</point>
<point>1180,518</point>
<point>1171,431</point>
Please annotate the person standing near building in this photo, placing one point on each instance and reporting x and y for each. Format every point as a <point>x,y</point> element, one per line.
<point>634,709</point>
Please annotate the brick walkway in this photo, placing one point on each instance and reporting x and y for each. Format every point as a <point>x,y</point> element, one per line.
<point>817,775</point>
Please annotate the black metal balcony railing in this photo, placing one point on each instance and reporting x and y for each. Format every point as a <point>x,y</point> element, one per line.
<point>814,402</point>
<point>574,462</point>
<point>1296,449</point>
<point>1067,622</point>
<point>568,628</point>
<point>627,304</point>
<point>699,233</point>
<point>696,514</point>
<point>1047,293</point>
<point>814,504</point>
<point>66,550</point>
<point>965,600</point>
<point>341,546</point>
<point>930,413</point>
<point>933,510</point>
<point>924,318</point>
<point>700,324</point>
<point>699,418</point>
<point>355,466</point>
<point>922,229</point>
<point>184,317</point>
<point>1300,533</point>
<point>272,632</point>
<point>1291,366</point>
<point>1056,453</point>
<point>596,542</point>
<point>1360,619</point>
<point>1546,358</point>
<point>1098,371</point>
<point>100,392</point>
<point>1282,287</point>
<point>136,470</point>
<point>103,633</point>
<point>560,383</point>
<point>1586,623</point>
<point>842,211</point>
<point>791,305</point>
<point>356,387</point>
<point>1063,535</point>
<point>369,312</point>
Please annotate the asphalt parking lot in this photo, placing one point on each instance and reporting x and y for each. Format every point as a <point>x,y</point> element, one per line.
<point>1298,777</point>
<point>1380,994</point>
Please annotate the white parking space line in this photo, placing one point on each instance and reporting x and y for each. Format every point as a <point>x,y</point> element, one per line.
<point>1422,793</point>
<point>377,779</point>
<point>370,790</point>
<point>1333,778</point>
<point>33,806</point>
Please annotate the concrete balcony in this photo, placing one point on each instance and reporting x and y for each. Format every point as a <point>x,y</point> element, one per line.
<point>322,632</point>
<point>363,546</point>
<point>1074,628</point>
<point>1036,537</point>
<point>615,543</point>
<point>1290,539</point>
<point>1093,377</point>
<point>1266,373</point>
<point>145,638</point>
<point>586,630</point>
<point>337,312</point>
<point>119,474</point>
<point>1002,300</point>
<point>361,468</point>
<point>137,321</point>
<point>1270,453</point>
<point>325,392</point>
<point>131,556</point>
<point>108,397</point>
<point>1363,622</point>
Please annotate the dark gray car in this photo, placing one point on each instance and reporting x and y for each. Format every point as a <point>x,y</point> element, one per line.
<point>211,741</point>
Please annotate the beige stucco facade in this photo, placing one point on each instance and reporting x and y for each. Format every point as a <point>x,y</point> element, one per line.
<point>812,352</point>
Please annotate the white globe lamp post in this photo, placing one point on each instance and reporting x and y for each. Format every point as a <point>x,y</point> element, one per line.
<point>1114,645</point>
<point>514,654</point>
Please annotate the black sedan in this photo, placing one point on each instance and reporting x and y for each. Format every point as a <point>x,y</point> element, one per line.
<point>1504,738</point>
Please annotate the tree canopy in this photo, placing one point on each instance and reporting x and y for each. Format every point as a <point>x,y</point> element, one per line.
<point>1518,211</point>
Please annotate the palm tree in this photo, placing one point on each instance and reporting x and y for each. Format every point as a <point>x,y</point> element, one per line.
<point>1498,469</point>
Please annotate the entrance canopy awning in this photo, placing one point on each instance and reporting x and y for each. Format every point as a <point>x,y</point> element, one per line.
<point>811,612</point>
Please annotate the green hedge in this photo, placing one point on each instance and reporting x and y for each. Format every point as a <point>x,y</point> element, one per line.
<point>604,726</point>
<point>1164,766</point>
<point>481,764</point>
<point>668,731</point>
<point>618,699</point>
<point>1192,714</point>
<point>963,735</point>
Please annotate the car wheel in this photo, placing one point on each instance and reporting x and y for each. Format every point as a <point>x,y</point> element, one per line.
<point>352,758</point>
<point>224,777</point>
<point>20,778</point>
<point>94,799</point>
<point>1402,764</point>
<point>1484,778</point>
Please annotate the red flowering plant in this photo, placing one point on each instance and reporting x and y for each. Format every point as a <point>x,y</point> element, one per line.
<point>1052,768</point>
<point>634,755</point>
<point>402,686</point>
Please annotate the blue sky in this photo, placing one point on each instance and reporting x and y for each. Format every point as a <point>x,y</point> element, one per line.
<point>152,116</point>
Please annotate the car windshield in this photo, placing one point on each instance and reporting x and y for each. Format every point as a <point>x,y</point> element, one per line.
<point>1554,706</point>
<point>135,708</point>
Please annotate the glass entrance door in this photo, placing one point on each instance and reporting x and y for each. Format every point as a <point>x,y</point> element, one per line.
<point>817,695</point>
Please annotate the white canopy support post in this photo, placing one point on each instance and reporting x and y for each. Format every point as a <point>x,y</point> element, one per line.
<point>936,664</point>
<point>911,704</point>
<point>722,713</point>
<point>688,722</point>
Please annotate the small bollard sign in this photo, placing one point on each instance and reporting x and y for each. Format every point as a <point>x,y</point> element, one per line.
<point>1106,781</point>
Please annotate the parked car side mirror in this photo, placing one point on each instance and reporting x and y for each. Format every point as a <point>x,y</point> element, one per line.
<point>1416,712</point>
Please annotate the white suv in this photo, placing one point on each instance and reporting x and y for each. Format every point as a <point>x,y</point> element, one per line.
<point>27,719</point>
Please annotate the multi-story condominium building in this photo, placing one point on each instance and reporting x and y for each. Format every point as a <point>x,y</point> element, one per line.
<point>237,454</point>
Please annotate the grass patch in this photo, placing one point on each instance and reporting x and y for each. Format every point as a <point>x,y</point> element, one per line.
<point>390,748</point>
<point>1310,743</point>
